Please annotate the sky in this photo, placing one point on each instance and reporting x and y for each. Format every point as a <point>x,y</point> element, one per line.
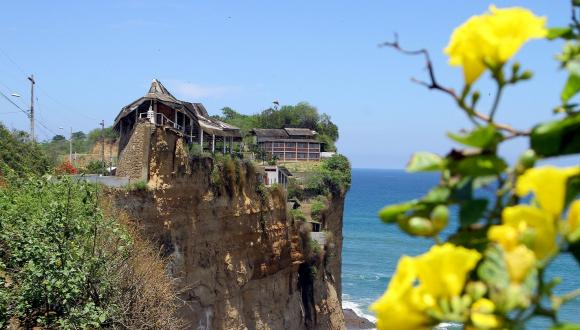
<point>92,58</point>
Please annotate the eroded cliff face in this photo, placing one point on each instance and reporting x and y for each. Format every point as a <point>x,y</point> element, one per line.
<point>238,260</point>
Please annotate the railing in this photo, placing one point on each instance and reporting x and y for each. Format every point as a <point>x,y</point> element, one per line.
<point>162,120</point>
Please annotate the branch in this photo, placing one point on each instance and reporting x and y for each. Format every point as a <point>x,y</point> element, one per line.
<point>434,84</point>
<point>431,85</point>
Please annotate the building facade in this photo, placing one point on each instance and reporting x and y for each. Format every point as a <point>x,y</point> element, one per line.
<point>187,119</point>
<point>288,144</point>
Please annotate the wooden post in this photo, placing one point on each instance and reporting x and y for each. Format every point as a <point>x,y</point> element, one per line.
<point>231,145</point>
<point>201,138</point>
<point>213,143</point>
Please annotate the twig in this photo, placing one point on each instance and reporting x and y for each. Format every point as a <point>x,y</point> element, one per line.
<point>434,84</point>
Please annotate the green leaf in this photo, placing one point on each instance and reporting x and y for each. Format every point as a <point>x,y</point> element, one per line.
<point>463,190</point>
<point>556,138</point>
<point>560,32</point>
<point>571,88</point>
<point>471,239</point>
<point>471,211</point>
<point>572,189</point>
<point>493,270</point>
<point>425,161</point>
<point>391,213</point>
<point>481,165</point>
<point>481,137</point>
<point>437,195</point>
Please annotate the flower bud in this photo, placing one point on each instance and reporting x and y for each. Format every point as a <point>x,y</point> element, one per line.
<point>526,75</point>
<point>474,98</point>
<point>420,226</point>
<point>440,217</point>
<point>476,290</point>
<point>527,160</point>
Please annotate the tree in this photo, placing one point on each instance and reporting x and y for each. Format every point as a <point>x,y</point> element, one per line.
<point>58,138</point>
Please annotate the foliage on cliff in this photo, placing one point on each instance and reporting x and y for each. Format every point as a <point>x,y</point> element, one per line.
<point>333,176</point>
<point>64,263</point>
<point>299,115</point>
<point>21,155</point>
<point>492,273</point>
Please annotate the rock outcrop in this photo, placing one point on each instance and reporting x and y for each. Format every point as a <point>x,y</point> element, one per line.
<point>238,260</point>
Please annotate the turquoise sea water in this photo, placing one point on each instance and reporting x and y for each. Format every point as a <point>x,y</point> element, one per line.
<point>371,249</point>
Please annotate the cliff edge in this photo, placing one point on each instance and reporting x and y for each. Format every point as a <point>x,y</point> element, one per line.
<point>238,259</point>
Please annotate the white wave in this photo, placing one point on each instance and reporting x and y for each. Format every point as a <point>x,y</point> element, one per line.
<point>357,309</point>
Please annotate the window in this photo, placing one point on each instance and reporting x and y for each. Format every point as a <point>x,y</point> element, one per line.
<point>315,146</point>
<point>302,145</point>
<point>314,155</point>
<point>290,155</point>
<point>290,144</point>
<point>301,155</point>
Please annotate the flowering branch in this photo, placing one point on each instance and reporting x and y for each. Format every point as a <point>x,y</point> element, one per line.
<point>460,100</point>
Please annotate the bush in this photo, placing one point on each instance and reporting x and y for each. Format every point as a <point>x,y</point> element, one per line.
<point>297,215</point>
<point>65,168</point>
<point>63,262</point>
<point>17,153</point>
<point>96,167</point>
<point>333,176</point>
<point>317,207</point>
<point>138,186</point>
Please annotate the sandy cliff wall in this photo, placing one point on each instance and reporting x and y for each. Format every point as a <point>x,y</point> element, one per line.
<point>238,261</point>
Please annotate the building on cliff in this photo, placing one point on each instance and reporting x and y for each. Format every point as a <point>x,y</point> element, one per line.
<point>187,119</point>
<point>288,144</point>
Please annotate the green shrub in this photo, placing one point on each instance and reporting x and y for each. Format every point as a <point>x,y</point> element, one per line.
<point>17,153</point>
<point>54,272</point>
<point>317,207</point>
<point>297,215</point>
<point>138,186</point>
<point>333,176</point>
<point>96,167</point>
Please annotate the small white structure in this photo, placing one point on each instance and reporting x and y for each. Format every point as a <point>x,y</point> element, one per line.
<point>276,175</point>
<point>327,154</point>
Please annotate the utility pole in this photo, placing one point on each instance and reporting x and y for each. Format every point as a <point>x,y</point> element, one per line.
<point>103,145</point>
<point>31,115</point>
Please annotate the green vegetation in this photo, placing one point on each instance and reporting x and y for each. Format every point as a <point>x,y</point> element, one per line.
<point>20,155</point>
<point>299,115</point>
<point>138,186</point>
<point>297,215</point>
<point>65,263</point>
<point>319,204</point>
<point>82,143</point>
<point>333,176</point>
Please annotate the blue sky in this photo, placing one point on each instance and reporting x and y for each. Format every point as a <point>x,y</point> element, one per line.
<point>92,58</point>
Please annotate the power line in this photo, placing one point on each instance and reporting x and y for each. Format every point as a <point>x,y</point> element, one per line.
<point>14,104</point>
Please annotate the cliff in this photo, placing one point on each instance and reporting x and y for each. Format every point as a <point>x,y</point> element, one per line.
<point>238,260</point>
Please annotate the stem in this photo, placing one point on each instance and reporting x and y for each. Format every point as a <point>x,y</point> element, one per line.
<point>570,295</point>
<point>494,107</point>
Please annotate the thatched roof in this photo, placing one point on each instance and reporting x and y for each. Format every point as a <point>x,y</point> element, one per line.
<point>157,92</point>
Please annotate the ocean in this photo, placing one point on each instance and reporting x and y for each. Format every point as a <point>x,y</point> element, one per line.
<point>372,249</point>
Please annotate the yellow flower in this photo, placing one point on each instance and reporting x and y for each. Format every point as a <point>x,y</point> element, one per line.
<point>519,262</point>
<point>492,39</point>
<point>548,185</point>
<point>400,306</point>
<point>442,271</point>
<point>482,314</point>
<point>420,282</point>
<point>573,225</point>
<point>535,228</point>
